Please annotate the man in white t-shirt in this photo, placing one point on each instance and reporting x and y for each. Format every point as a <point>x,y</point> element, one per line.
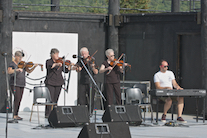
<point>165,79</point>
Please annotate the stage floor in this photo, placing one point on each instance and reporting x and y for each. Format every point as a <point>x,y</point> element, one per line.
<point>26,129</point>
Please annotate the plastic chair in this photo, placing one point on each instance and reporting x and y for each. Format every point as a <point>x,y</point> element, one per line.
<point>143,88</point>
<point>41,92</point>
<point>135,96</point>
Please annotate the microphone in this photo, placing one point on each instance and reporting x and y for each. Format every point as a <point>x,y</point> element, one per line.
<point>76,56</point>
<point>22,53</point>
<point>4,54</point>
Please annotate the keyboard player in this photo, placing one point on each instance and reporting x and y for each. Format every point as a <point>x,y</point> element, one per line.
<point>165,79</point>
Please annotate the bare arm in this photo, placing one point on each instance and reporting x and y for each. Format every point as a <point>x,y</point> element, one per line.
<point>175,85</point>
<point>95,71</point>
<point>103,68</point>
<point>121,68</point>
<point>56,64</point>
<point>157,85</point>
<point>11,71</point>
<point>77,68</point>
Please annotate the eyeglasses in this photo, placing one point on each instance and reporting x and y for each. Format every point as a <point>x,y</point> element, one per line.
<point>165,66</point>
<point>112,55</point>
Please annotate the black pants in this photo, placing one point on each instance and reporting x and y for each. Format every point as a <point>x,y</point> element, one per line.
<point>110,89</point>
<point>18,92</point>
<point>84,95</point>
<point>54,93</point>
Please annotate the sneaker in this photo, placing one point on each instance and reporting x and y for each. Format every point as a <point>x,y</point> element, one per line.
<point>163,119</point>
<point>181,120</point>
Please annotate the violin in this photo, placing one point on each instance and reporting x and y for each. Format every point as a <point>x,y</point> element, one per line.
<point>90,60</point>
<point>67,62</point>
<point>23,64</point>
<point>120,63</point>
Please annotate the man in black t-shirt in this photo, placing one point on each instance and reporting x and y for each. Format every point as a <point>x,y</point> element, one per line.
<point>84,84</point>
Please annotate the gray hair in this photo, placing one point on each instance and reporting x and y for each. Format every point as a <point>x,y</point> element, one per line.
<point>108,51</point>
<point>83,49</point>
<point>18,54</point>
<point>53,51</point>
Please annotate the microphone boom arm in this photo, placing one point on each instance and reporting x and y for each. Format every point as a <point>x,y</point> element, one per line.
<point>93,80</point>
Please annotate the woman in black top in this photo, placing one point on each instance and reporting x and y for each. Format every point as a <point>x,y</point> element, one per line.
<point>54,79</point>
<point>18,81</point>
<point>112,80</point>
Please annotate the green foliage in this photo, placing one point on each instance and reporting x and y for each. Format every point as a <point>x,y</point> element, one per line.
<point>77,6</point>
<point>76,3</point>
<point>160,5</point>
<point>99,3</point>
<point>32,8</point>
<point>185,6</point>
<point>134,4</point>
<point>165,5</point>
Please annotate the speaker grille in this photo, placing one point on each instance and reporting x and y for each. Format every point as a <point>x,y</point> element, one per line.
<point>67,110</point>
<point>120,109</point>
<point>102,129</point>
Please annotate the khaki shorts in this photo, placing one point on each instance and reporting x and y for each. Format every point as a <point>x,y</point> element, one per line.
<point>174,99</point>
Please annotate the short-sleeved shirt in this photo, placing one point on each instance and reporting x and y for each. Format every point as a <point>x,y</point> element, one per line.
<point>113,76</point>
<point>165,79</point>
<point>84,77</point>
<point>20,76</point>
<point>54,75</point>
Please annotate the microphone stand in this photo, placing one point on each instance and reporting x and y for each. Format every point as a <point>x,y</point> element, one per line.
<point>69,72</point>
<point>90,93</point>
<point>15,76</point>
<point>91,79</point>
<point>64,77</point>
<point>122,94</point>
<point>8,93</point>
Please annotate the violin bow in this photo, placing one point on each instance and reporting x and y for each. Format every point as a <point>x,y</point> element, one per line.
<point>115,64</point>
<point>94,53</point>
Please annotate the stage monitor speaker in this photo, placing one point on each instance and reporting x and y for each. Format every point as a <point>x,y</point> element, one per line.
<point>105,130</point>
<point>68,116</point>
<point>126,113</point>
